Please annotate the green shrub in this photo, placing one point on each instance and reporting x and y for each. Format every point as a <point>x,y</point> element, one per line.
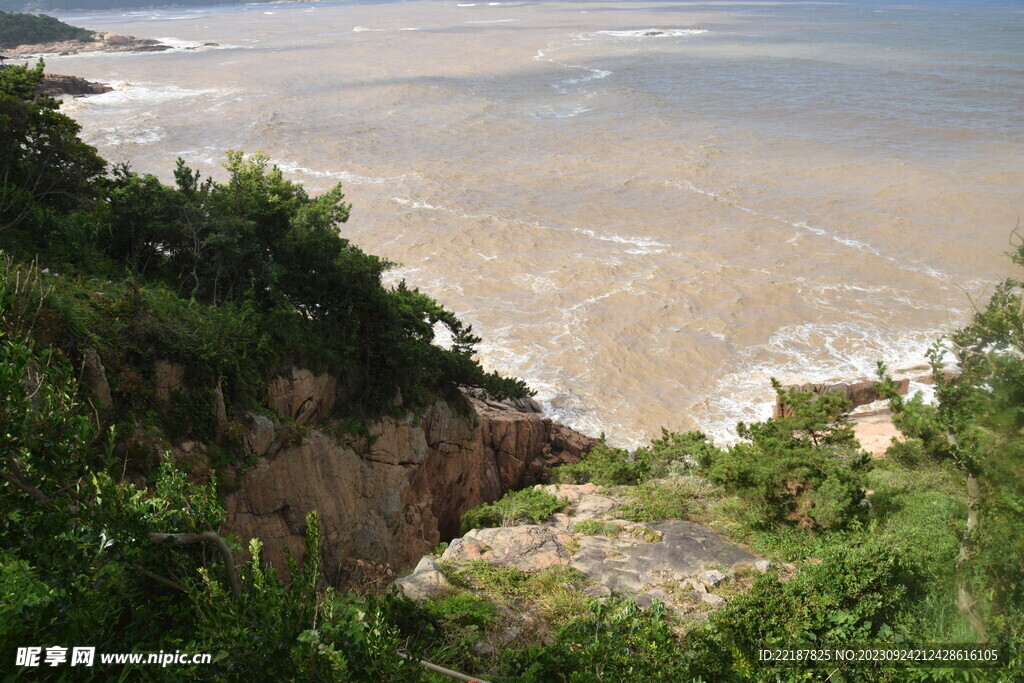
<point>617,641</point>
<point>808,467</point>
<point>463,609</point>
<point>28,29</point>
<point>677,453</point>
<point>604,466</point>
<point>502,583</point>
<point>851,596</point>
<point>517,507</point>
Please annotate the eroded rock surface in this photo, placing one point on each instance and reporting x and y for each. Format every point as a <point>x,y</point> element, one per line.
<point>527,548</point>
<point>678,562</point>
<point>392,497</point>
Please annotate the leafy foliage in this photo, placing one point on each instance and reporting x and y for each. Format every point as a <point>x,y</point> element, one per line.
<point>978,426</point>
<point>47,169</point>
<point>29,29</point>
<point>231,280</point>
<point>604,466</point>
<point>673,498</point>
<point>807,466</point>
<point>516,507</point>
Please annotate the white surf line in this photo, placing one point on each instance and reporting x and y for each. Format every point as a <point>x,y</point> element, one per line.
<point>595,74</point>
<point>643,244</point>
<point>814,230</point>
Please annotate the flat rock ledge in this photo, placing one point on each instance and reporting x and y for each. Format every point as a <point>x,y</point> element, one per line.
<point>683,564</point>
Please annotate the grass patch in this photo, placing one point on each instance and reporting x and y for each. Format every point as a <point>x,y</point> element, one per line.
<point>596,527</point>
<point>501,583</point>
<point>529,505</point>
<point>677,498</point>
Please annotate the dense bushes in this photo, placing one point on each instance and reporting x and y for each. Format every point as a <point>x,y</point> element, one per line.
<point>28,29</point>
<point>604,466</point>
<point>516,507</point>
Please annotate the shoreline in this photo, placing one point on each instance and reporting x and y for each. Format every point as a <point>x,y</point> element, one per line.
<point>105,43</point>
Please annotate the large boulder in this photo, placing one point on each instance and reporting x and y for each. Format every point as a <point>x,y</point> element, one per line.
<point>426,581</point>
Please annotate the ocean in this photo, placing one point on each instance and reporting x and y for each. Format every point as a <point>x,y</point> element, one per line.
<point>646,209</point>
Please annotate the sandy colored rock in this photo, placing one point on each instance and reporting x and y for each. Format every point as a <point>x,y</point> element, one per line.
<point>713,600</point>
<point>527,548</point>
<point>220,412</point>
<point>167,378</point>
<point>876,432</point>
<point>711,578</point>
<point>260,434</point>
<point>570,493</point>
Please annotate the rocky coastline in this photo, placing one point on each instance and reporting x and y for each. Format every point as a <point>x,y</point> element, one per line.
<point>102,42</point>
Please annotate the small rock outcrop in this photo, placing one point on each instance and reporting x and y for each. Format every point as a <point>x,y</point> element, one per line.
<point>55,84</point>
<point>426,581</point>
<point>859,392</point>
<point>95,377</point>
<point>527,548</point>
<point>167,379</point>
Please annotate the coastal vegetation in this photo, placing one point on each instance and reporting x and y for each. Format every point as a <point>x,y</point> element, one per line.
<point>17,28</point>
<point>232,281</point>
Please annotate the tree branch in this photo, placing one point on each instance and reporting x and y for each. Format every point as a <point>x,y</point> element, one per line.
<point>205,537</point>
<point>18,479</point>
<point>170,583</point>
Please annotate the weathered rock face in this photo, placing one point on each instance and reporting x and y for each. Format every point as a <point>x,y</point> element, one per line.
<point>301,394</point>
<point>527,548</point>
<point>675,561</point>
<point>167,378</point>
<point>392,496</point>
<point>95,377</point>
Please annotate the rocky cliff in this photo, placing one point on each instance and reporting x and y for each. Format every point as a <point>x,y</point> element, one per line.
<point>389,496</point>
